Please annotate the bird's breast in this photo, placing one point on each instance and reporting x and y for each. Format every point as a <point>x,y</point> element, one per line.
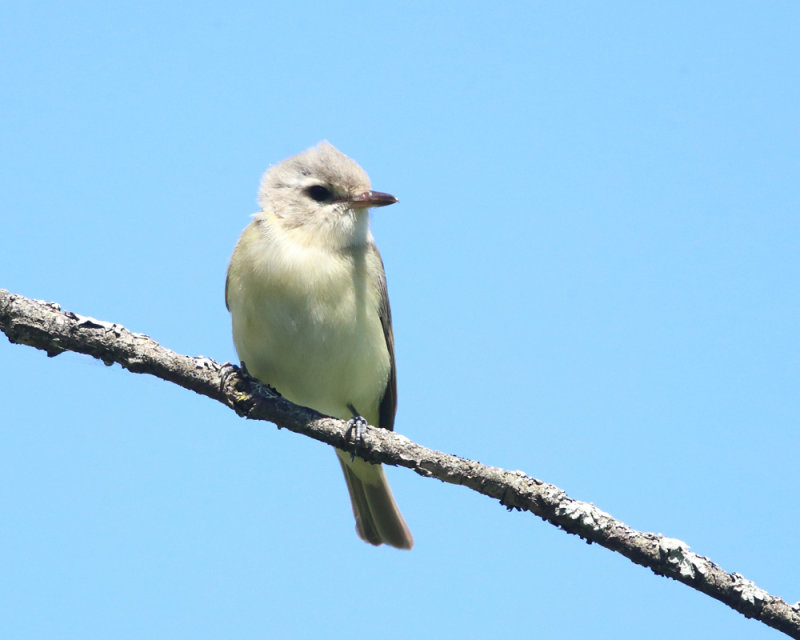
<point>306,322</point>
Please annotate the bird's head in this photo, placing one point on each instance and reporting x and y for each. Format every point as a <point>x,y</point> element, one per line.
<point>323,194</point>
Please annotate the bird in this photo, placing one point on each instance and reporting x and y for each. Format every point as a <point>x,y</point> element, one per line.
<point>310,314</point>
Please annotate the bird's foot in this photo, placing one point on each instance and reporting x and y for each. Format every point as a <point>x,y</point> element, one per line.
<point>356,428</point>
<point>225,372</point>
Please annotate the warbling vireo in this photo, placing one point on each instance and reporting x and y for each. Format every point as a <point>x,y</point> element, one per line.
<point>307,294</point>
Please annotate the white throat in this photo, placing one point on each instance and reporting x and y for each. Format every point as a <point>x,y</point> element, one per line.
<point>349,230</point>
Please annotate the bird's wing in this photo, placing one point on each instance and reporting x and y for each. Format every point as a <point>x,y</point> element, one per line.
<point>388,406</point>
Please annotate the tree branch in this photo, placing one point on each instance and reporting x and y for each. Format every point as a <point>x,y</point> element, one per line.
<point>45,326</point>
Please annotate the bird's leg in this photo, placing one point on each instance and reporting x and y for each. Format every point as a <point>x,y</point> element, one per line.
<point>356,428</point>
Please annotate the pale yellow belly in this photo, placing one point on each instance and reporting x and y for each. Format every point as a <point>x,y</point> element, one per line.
<point>323,352</point>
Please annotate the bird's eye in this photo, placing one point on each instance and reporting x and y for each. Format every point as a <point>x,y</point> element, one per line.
<point>319,193</point>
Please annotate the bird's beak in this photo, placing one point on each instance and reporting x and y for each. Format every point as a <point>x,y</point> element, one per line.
<point>372,199</point>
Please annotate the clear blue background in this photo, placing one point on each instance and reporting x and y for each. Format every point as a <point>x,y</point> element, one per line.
<point>594,275</point>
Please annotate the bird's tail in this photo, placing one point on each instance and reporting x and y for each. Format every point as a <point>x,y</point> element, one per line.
<point>378,519</point>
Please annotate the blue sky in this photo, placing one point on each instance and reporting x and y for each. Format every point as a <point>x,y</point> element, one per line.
<point>594,276</point>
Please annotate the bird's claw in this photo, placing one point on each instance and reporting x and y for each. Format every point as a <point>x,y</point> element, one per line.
<point>356,428</point>
<point>225,372</point>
